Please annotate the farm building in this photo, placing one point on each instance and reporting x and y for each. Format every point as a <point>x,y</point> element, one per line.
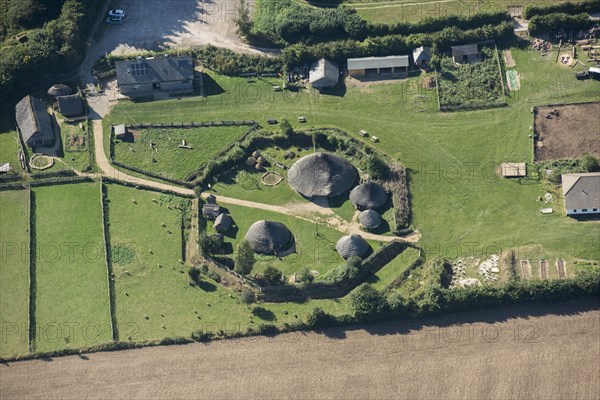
<point>120,131</point>
<point>323,74</point>
<point>466,53</point>
<point>34,122</point>
<point>59,90</point>
<point>373,66</point>
<point>513,170</point>
<point>222,223</point>
<point>370,219</point>
<point>321,175</point>
<point>143,76</point>
<point>368,195</point>
<point>422,56</point>
<point>269,237</point>
<point>582,193</point>
<point>352,246</point>
<point>70,105</point>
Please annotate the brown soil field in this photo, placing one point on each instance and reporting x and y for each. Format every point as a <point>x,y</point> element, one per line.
<point>544,351</point>
<point>573,134</point>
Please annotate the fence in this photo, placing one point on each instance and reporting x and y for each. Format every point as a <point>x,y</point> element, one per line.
<point>32,272</point>
<point>112,298</point>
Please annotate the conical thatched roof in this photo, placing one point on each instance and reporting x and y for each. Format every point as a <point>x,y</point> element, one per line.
<point>250,161</point>
<point>352,246</point>
<point>268,237</point>
<point>222,223</point>
<point>370,219</point>
<point>59,90</point>
<point>368,195</point>
<point>321,174</point>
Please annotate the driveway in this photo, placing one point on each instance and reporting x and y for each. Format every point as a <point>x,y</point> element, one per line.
<point>159,25</point>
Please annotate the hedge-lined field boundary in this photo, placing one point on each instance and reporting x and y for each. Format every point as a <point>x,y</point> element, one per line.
<point>112,298</point>
<point>32,272</point>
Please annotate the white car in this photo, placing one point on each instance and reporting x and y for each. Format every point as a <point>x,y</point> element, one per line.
<point>115,16</point>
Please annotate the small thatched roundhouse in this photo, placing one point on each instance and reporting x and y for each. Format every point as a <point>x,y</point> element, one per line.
<point>250,161</point>
<point>352,246</point>
<point>321,175</point>
<point>256,154</point>
<point>370,219</point>
<point>269,237</point>
<point>222,223</point>
<point>368,195</point>
<point>59,90</point>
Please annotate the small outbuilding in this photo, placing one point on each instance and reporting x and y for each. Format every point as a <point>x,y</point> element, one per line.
<point>211,211</point>
<point>323,74</point>
<point>466,54</point>
<point>368,195</point>
<point>120,131</point>
<point>34,122</point>
<point>269,237</point>
<point>513,170</point>
<point>4,168</point>
<point>321,175</point>
<point>70,106</point>
<point>370,219</point>
<point>422,56</point>
<point>352,246</point>
<point>222,223</point>
<point>59,90</point>
<point>582,193</point>
<point>374,66</point>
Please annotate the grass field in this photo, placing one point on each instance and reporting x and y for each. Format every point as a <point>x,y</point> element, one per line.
<point>75,155</point>
<point>14,271</point>
<point>389,272</point>
<point>458,203</point>
<point>143,288</point>
<point>9,146</point>
<point>166,158</point>
<point>72,307</point>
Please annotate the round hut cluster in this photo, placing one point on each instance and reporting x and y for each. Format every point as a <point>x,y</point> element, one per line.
<point>352,246</point>
<point>256,160</point>
<point>269,237</point>
<point>367,197</point>
<point>321,175</point>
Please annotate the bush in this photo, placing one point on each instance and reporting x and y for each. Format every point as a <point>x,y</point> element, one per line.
<point>247,296</point>
<point>319,318</point>
<point>543,23</point>
<point>376,167</point>
<point>304,276</point>
<point>194,276</point>
<point>367,303</point>
<point>588,6</point>
<point>244,259</point>
<point>273,276</point>
<point>266,329</point>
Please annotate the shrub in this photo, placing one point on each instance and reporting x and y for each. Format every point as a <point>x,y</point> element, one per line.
<point>194,276</point>
<point>543,23</point>
<point>319,318</point>
<point>244,259</point>
<point>266,329</point>
<point>273,276</point>
<point>376,167</point>
<point>304,276</point>
<point>588,6</point>
<point>367,303</point>
<point>247,296</point>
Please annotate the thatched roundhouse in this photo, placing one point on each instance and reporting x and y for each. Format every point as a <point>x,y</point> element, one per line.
<point>352,246</point>
<point>370,219</point>
<point>368,195</point>
<point>269,237</point>
<point>59,90</point>
<point>321,175</point>
<point>222,223</point>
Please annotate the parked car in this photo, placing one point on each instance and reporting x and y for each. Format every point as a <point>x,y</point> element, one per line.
<point>581,75</point>
<point>115,16</point>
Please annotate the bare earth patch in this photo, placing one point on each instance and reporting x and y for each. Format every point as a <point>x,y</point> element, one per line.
<point>572,134</point>
<point>537,351</point>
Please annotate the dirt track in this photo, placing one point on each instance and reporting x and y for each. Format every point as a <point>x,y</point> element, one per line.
<point>525,355</point>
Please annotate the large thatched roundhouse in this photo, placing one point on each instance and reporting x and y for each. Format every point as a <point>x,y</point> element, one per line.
<point>352,246</point>
<point>269,237</point>
<point>368,195</point>
<point>370,219</point>
<point>321,175</point>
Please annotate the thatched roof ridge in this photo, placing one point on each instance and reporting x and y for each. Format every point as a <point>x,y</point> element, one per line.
<point>268,237</point>
<point>321,174</point>
<point>352,246</point>
<point>368,195</point>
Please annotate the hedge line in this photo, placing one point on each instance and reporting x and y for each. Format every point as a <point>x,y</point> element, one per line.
<point>107,179</point>
<point>112,298</point>
<point>543,23</point>
<point>588,6</point>
<point>32,272</point>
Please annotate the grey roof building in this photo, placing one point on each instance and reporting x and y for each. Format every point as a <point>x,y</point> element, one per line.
<point>34,122</point>
<point>144,75</point>
<point>352,246</point>
<point>323,73</point>
<point>466,53</point>
<point>321,175</point>
<point>269,237</point>
<point>377,65</point>
<point>422,56</point>
<point>582,193</point>
<point>368,195</point>
<point>370,219</point>
<point>70,106</point>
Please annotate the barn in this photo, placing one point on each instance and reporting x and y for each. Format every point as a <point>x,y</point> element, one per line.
<point>143,76</point>
<point>582,193</point>
<point>376,66</point>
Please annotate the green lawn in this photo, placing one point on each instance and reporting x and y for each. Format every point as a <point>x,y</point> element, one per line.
<point>166,158</point>
<point>75,155</point>
<point>9,145</point>
<point>315,253</point>
<point>457,201</point>
<point>143,288</point>
<point>72,307</point>
<point>14,271</point>
<point>389,272</point>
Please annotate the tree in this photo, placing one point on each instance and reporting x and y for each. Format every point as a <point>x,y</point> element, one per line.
<point>247,296</point>
<point>367,303</point>
<point>319,318</point>
<point>272,275</point>
<point>244,259</point>
<point>243,20</point>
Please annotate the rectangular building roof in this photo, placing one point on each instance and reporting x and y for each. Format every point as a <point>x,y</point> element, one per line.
<point>70,105</point>
<point>581,191</point>
<point>33,120</point>
<point>154,70</point>
<point>323,69</point>
<point>377,62</point>
<point>465,50</point>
